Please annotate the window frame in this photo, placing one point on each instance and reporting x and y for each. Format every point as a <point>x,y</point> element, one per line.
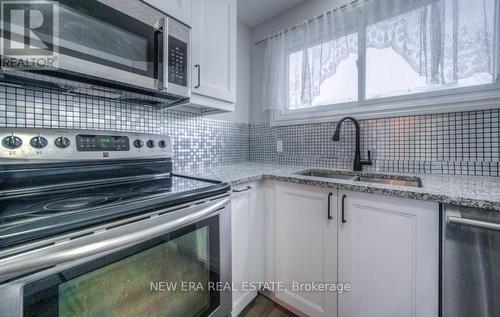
<point>478,97</point>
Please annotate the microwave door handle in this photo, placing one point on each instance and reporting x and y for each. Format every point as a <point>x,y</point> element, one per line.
<point>162,27</point>
<point>158,56</point>
<point>54,255</point>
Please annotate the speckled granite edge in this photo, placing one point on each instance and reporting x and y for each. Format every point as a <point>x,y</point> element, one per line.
<point>411,193</point>
<point>467,191</point>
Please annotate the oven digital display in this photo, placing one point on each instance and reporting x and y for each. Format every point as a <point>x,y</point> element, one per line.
<point>99,143</point>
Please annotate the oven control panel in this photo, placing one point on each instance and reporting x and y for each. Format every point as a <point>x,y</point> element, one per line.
<point>99,143</point>
<point>54,145</point>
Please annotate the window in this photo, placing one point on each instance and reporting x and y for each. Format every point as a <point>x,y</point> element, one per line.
<point>462,56</point>
<point>334,81</point>
<point>400,58</point>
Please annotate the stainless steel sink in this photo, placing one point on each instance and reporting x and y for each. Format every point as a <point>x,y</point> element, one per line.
<point>328,174</point>
<point>394,180</point>
<point>400,181</point>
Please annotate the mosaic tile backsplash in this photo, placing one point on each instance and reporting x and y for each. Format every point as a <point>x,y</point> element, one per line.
<point>453,143</point>
<point>465,143</point>
<point>197,140</point>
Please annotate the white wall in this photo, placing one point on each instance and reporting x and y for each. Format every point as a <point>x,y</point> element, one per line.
<point>286,19</point>
<point>243,71</point>
<point>257,60</point>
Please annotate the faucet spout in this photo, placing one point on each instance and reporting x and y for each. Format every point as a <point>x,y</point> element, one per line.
<point>358,163</point>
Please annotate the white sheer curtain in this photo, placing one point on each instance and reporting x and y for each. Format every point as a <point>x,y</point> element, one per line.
<point>322,45</point>
<point>441,40</point>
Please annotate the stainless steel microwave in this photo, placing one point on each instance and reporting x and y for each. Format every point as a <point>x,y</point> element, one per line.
<point>123,44</point>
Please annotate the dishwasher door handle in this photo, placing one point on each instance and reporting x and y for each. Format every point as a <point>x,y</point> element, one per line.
<point>473,223</point>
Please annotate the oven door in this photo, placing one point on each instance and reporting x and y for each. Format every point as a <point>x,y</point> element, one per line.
<point>173,264</point>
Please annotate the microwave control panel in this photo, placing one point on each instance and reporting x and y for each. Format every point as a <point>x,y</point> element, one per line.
<point>177,61</point>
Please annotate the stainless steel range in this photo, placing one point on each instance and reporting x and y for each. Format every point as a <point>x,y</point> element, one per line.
<point>96,224</point>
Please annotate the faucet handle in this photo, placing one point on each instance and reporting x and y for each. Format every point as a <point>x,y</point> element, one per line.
<point>369,161</point>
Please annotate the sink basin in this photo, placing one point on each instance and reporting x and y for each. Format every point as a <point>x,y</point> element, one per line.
<point>388,180</point>
<point>327,174</point>
<point>395,180</point>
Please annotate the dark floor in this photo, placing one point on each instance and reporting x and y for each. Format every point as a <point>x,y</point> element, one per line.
<point>263,307</point>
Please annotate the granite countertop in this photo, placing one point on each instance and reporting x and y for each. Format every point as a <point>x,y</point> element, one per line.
<point>467,191</point>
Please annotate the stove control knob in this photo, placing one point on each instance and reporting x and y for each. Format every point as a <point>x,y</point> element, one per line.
<point>138,144</point>
<point>39,142</point>
<point>151,144</point>
<point>162,144</point>
<point>12,142</point>
<point>62,142</point>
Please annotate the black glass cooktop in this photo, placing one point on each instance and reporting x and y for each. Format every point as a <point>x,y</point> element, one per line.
<point>38,213</point>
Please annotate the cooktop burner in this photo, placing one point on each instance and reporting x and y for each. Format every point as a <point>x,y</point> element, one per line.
<point>74,203</point>
<point>57,211</point>
<point>152,188</point>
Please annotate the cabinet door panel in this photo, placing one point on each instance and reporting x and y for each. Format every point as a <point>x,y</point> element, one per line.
<point>179,9</point>
<point>388,252</point>
<point>247,228</point>
<point>306,247</point>
<point>214,49</point>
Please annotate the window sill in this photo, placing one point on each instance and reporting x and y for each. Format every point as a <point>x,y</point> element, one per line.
<point>464,99</point>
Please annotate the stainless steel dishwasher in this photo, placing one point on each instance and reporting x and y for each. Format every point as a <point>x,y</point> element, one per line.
<point>470,263</point>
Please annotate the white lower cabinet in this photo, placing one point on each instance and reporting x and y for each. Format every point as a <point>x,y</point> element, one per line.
<point>386,248</point>
<point>248,244</point>
<point>305,247</point>
<point>389,253</point>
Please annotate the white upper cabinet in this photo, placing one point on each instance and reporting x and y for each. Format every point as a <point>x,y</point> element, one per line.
<point>179,9</point>
<point>306,247</point>
<point>214,52</point>
<point>389,253</point>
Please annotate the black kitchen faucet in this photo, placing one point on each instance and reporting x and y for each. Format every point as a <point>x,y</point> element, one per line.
<point>358,163</point>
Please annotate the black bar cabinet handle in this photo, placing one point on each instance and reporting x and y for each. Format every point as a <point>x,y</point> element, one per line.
<point>198,66</point>
<point>343,209</point>
<point>329,206</point>
<point>242,190</point>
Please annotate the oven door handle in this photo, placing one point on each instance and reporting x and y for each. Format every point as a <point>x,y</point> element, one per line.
<point>58,254</point>
<point>473,223</point>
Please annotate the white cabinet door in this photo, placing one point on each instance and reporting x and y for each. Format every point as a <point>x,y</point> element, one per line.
<point>388,252</point>
<point>248,246</point>
<point>179,9</point>
<point>214,49</point>
<point>306,247</point>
